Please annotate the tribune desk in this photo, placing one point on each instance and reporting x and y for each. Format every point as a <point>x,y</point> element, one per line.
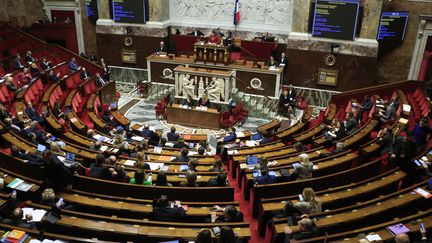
<point>193,117</point>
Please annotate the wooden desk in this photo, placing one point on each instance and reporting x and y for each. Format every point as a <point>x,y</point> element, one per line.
<point>211,53</point>
<point>192,117</point>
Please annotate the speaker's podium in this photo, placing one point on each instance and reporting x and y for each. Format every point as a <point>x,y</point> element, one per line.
<point>211,53</point>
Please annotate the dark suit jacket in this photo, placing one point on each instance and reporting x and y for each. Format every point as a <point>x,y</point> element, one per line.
<point>190,104</point>
<point>84,75</point>
<point>197,33</point>
<point>146,133</point>
<point>181,159</point>
<point>168,214</point>
<point>302,235</point>
<point>32,113</point>
<point>58,173</point>
<point>351,125</point>
<point>284,61</point>
<point>274,63</point>
<point>172,136</point>
<point>264,180</point>
<point>30,59</point>
<point>18,64</point>
<point>231,137</point>
<point>45,65</point>
<point>53,78</point>
<point>163,49</point>
<point>100,172</point>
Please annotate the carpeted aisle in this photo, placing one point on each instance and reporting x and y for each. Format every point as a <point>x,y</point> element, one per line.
<point>245,209</point>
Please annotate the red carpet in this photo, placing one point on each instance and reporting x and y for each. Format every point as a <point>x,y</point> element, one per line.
<point>246,210</point>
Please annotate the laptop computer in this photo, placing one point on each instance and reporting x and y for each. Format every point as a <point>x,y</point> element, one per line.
<point>252,160</point>
<point>54,215</point>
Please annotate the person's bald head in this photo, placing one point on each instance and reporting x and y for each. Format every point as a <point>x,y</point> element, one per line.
<point>402,238</point>
<point>305,224</point>
<point>17,214</point>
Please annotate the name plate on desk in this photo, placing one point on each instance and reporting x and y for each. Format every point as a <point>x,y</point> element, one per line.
<point>328,76</point>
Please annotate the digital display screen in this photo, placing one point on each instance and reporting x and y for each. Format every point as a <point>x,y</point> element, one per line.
<point>335,19</point>
<point>392,26</point>
<point>92,9</point>
<point>129,11</point>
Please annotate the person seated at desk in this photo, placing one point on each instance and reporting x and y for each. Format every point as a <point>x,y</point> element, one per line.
<point>219,180</point>
<point>340,147</point>
<point>161,180</point>
<point>304,169</point>
<point>45,64</point>
<point>265,178</point>
<point>230,215</point>
<point>189,102</point>
<point>272,63</point>
<point>162,48</point>
<point>29,158</point>
<point>351,123</point>
<point>204,101</point>
<point>232,136</point>
<point>35,72</point>
<point>306,229</point>
<point>215,38</point>
<point>204,236</point>
<point>99,169</point>
<point>180,143</point>
<point>155,138</point>
<point>168,212</point>
<point>191,179</point>
<point>141,178</point>
<point>146,132</point>
<point>84,75</point>
<point>119,174</point>
<point>18,219</point>
<point>24,77</point>
<point>385,138</point>
<point>217,166</point>
<point>73,65</point>
<point>33,114</point>
<point>183,156</point>
<point>172,135</point>
<point>54,78</point>
<point>309,204</point>
<point>197,33</point>
<point>17,63</point>
<point>29,58</point>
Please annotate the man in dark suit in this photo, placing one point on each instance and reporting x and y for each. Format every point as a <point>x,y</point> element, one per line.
<point>17,63</point>
<point>385,138</point>
<point>32,113</point>
<point>283,62</point>
<point>18,219</point>
<point>163,211</point>
<point>99,169</point>
<point>146,132</point>
<point>172,135</point>
<point>180,143</point>
<point>27,157</point>
<point>287,102</point>
<point>107,72</point>
<point>45,64</point>
<point>307,229</point>
<point>219,180</point>
<point>99,80</point>
<point>351,123</point>
<point>56,171</point>
<point>183,156</point>
<point>197,33</point>
<point>232,136</point>
<point>53,77</point>
<point>162,47</point>
<point>265,178</point>
<point>155,138</point>
<point>84,75</point>
<point>230,215</point>
<point>29,57</point>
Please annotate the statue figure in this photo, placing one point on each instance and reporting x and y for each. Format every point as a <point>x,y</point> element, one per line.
<point>188,88</point>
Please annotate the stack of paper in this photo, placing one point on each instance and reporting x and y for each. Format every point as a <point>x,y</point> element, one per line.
<point>373,237</point>
<point>129,162</point>
<point>37,214</point>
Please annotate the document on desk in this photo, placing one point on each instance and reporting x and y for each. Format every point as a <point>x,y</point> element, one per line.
<point>129,162</point>
<point>373,238</point>
<point>37,214</point>
<point>155,166</point>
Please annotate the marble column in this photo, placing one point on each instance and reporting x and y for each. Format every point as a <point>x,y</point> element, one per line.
<point>371,17</point>
<point>104,10</point>
<point>158,10</point>
<point>300,15</point>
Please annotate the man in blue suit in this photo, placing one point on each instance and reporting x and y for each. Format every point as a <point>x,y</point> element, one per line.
<point>146,132</point>
<point>18,64</point>
<point>73,65</point>
<point>33,114</point>
<point>231,136</point>
<point>172,136</point>
<point>265,178</point>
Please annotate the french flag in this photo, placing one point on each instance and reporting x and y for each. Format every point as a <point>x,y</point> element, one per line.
<point>236,13</point>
